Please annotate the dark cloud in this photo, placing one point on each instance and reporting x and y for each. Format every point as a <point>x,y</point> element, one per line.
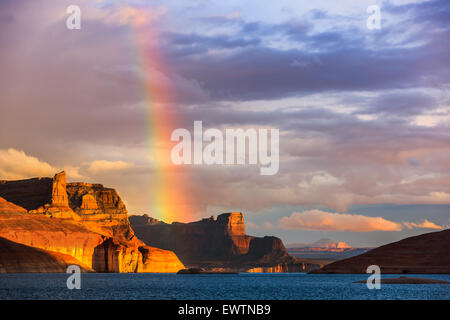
<point>401,104</point>
<point>195,43</point>
<point>336,59</point>
<point>266,73</point>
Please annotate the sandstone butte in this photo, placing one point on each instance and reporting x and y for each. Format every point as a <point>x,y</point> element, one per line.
<point>218,245</point>
<point>47,224</point>
<point>424,254</point>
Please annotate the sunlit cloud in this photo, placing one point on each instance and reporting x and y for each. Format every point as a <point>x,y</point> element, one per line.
<point>101,166</point>
<point>327,221</point>
<point>425,224</point>
<point>16,164</point>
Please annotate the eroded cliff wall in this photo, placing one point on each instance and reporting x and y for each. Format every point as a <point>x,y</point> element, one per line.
<point>218,244</point>
<point>18,258</point>
<point>85,221</point>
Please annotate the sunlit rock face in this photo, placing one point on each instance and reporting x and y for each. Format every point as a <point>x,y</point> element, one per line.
<point>59,194</point>
<point>218,244</point>
<point>87,222</point>
<point>99,207</point>
<point>282,267</point>
<point>233,223</point>
<point>18,258</point>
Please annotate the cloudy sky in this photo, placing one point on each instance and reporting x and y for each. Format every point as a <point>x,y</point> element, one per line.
<point>363,114</point>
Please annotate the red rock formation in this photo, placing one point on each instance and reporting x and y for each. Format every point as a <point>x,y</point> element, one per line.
<point>59,194</point>
<point>218,244</point>
<point>29,194</point>
<point>8,207</point>
<point>88,222</point>
<point>426,253</point>
<point>99,207</point>
<point>18,258</point>
<point>233,223</point>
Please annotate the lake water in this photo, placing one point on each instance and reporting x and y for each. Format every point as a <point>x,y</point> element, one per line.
<point>287,286</point>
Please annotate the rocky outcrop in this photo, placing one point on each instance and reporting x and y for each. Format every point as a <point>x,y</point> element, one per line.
<point>87,222</point>
<point>96,251</point>
<point>75,201</point>
<point>39,195</point>
<point>29,194</point>
<point>59,194</point>
<point>232,223</point>
<point>99,207</point>
<point>8,207</point>
<point>426,253</point>
<point>218,244</point>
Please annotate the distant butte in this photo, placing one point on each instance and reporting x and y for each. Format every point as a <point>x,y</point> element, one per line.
<point>218,244</point>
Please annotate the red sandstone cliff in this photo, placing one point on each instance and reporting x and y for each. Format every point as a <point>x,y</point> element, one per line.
<point>426,253</point>
<point>18,258</point>
<point>218,244</point>
<point>84,221</point>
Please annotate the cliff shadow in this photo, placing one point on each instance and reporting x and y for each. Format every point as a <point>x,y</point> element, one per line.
<point>104,258</point>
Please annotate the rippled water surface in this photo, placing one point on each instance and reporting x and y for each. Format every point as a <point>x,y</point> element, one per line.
<point>295,286</point>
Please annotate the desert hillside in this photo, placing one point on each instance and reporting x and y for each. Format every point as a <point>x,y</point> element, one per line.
<point>426,253</point>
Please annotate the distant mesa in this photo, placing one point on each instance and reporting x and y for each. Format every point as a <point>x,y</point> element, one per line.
<point>424,254</point>
<point>219,244</point>
<point>322,244</point>
<point>324,251</point>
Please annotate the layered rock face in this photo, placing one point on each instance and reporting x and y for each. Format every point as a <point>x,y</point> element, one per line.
<point>84,221</point>
<point>205,239</point>
<point>99,207</point>
<point>218,244</point>
<point>426,253</point>
<point>18,258</point>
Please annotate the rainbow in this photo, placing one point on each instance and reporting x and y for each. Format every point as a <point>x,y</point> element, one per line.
<point>169,200</point>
